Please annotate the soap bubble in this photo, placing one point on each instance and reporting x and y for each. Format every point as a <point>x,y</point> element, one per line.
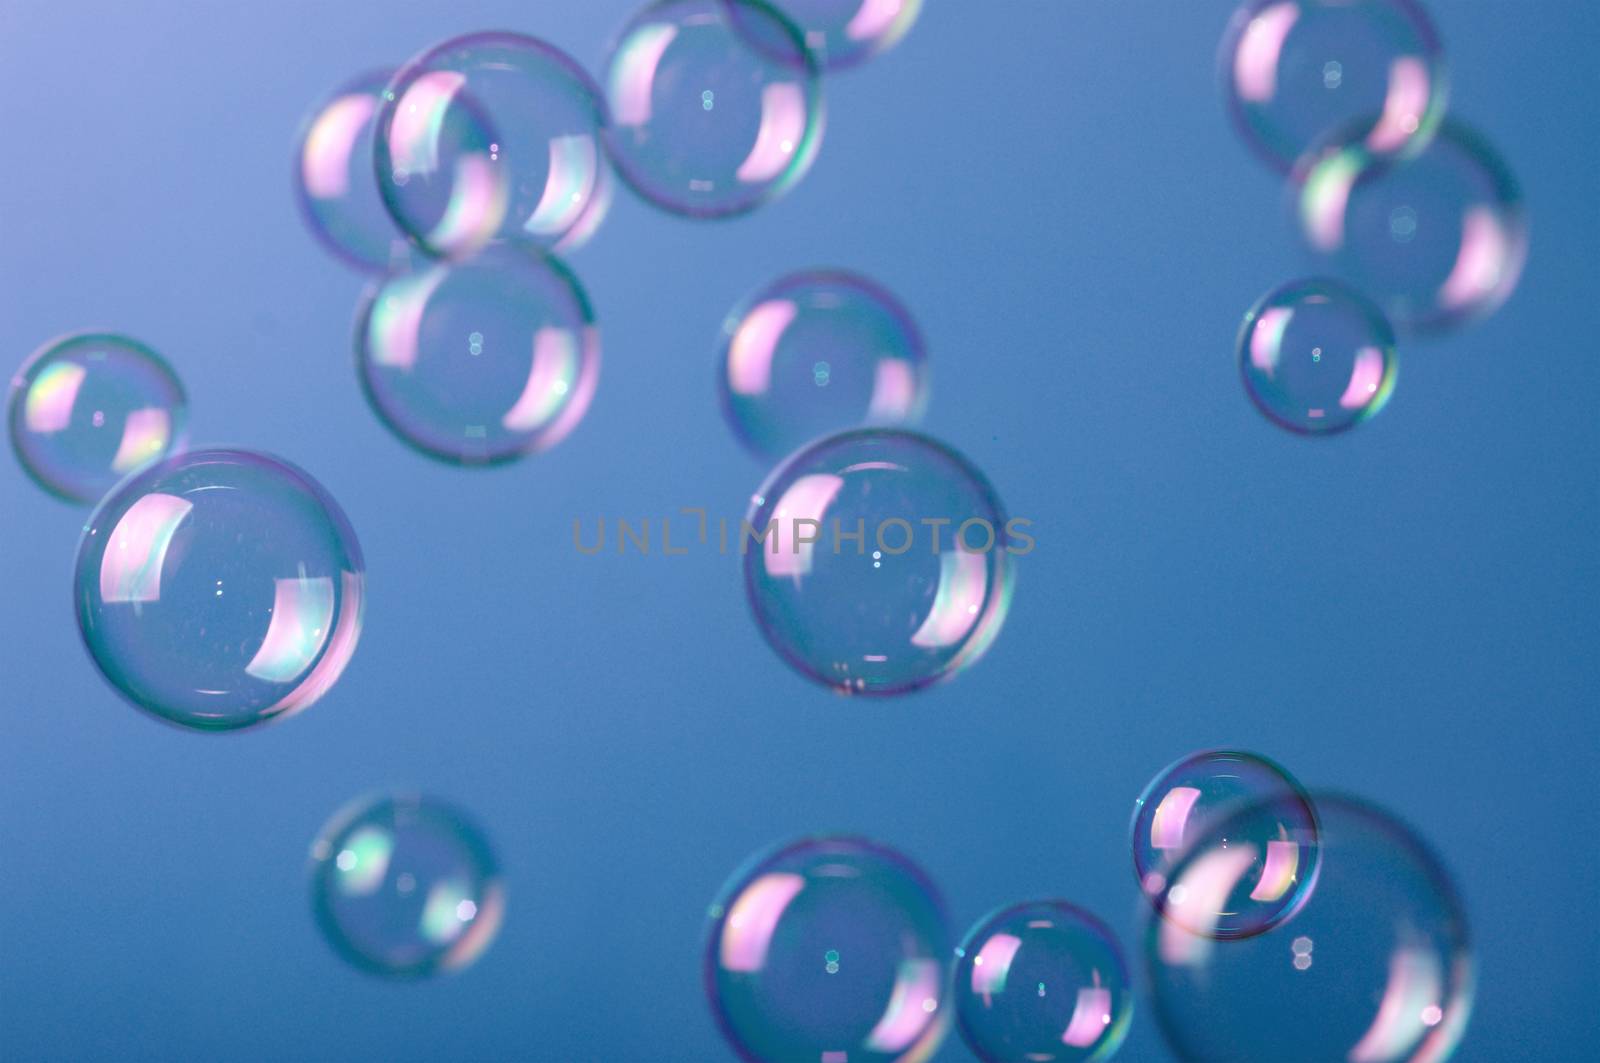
<point>1263,871</point>
<point>1293,71</point>
<point>716,106</point>
<point>1436,240</point>
<point>829,948</point>
<point>489,137</point>
<point>89,408</point>
<point>220,589</point>
<point>405,886</point>
<point>479,361</point>
<point>1376,968</point>
<point>845,33</point>
<point>815,353</point>
<point>1043,981</point>
<point>334,181</point>
<point>886,564</point>
<point>1317,356</point>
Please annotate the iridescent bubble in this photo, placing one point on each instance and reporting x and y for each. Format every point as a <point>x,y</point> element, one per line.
<point>886,564</point>
<point>1264,869</point>
<point>1437,240</point>
<point>219,589</point>
<point>489,138</point>
<point>1293,71</point>
<point>1317,356</point>
<point>1042,981</point>
<point>829,948</point>
<point>1376,968</point>
<point>87,409</point>
<point>334,180</point>
<point>405,886</point>
<point>716,106</point>
<point>816,353</point>
<point>479,361</point>
<point>843,33</point>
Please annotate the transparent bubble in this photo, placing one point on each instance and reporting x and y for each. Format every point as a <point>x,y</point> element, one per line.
<point>479,361</point>
<point>1376,967</point>
<point>817,353</point>
<point>87,409</point>
<point>1261,873</point>
<point>1437,240</point>
<point>908,579</point>
<point>1041,980</point>
<point>405,886</point>
<point>1317,356</point>
<point>486,138</point>
<point>716,106</point>
<point>1294,71</point>
<point>829,948</point>
<point>844,33</point>
<point>219,589</point>
<point>333,176</point>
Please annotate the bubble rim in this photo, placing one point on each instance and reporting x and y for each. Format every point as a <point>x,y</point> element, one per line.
<point>373,81</point>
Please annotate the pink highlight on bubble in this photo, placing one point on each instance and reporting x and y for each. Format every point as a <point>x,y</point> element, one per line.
<point>1255,62</point>
<point>302,616</point>
<point>1197,900</point>
<point>579,394</point>
<point>477,206</point>
<point>873,19</point>
<point>1172,817</point>
<point>479,932</point>
<point>145,435</point>
<point>993,964</point>
<point>1278,874</point>
<point>418,120</point>
<point>325,162</point>
<point>1326,198</point>
<point>394,325</point>
<point>594,212</point>
<point>783,127</point>
<point>747,931</point>
<point>808,498</point>
<point>130,569</point>
<point>633,77</point>
<point>51,397</point>
<point>905,1018</point>
<point>1415,983</point>
<point>958,601</point>
<point>347,629</point>
<point>1403,106</point>
<point>555,357</point>
<point>1479,265</point>
<point>1091,1014</point>
<point>1365,378</point>
<point>1266,339</point>
<point>894,391</point>
<point>750,354</point>
<point>574,161</point>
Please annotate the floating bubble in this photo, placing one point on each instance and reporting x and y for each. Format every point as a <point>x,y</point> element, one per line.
<point>489,138</point>
<point>1317,356</point>
<point>1293,71</point>
<point>829,948</point>
<point>334,180</point>
<point>886,564</point>
<point>1263,871</point>
<point>405,886</point>
<point>1437,240</point>
<point>87,409</point>
<point>816,353</point>
<point>219,589</point>
<point>844,33</point>
<point>479,361</point>
<point>1043,981</point>
<point>716,106</point>
<point>1376,968</point>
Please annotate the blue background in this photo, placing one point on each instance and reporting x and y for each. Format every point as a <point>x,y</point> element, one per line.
<point>1407,612</point>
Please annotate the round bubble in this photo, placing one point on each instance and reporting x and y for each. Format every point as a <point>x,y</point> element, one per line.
<point>333,176</point>
<point>844,33</point>
<point>1375,968</point>
<point>829,948</point>
<point>1317,356</point>
<point>817,353</point>
<point>219,589</point>
<point>1437,240</point>
<point>87,409</point>
<point>1294,71</point>
<point>1043,981</point>
<point>489,138</point>
<point>479,361</point>
<point>886,563</point>
<point>716,106</point>
<point>1270,864</point>
<point>405,886</point>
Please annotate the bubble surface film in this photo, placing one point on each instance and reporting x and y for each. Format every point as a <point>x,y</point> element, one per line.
<point>829,948</point>
<point>844,33</point>
<point>334,180</point>
<point>219,589</point>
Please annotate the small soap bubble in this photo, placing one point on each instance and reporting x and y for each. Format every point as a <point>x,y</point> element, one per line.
<point>337,189</point>
<point>846,33</point>
<point>829,948</point>
<point>1042,980</point>
<point>815,353</point>
<point>87,409</point>
<point>220,589</point>
<point>519,384</point>
<point>405,886</point>
<point>1317,357</point>
<point>716,106</point>
<point>1260,875</point>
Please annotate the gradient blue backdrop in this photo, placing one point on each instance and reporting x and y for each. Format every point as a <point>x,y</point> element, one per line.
<point>1408,612</point>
